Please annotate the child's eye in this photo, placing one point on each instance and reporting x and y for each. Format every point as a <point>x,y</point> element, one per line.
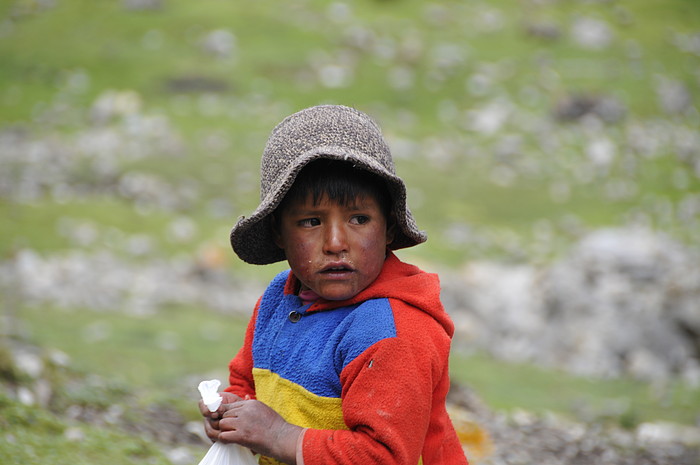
<point>309,222</point>
<point>359,219</point>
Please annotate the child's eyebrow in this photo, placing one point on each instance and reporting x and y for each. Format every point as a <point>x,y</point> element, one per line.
<point>296,211</point>
<point>317,210</point>
<point>356,207</point>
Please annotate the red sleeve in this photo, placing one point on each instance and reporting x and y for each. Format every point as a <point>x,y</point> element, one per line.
<point>387,398</point>
<point>241,366</point>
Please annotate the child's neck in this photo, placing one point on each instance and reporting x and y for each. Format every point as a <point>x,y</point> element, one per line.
<point>307,296</point>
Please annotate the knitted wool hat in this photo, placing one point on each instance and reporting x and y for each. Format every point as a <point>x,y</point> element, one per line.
<point>327,131</point>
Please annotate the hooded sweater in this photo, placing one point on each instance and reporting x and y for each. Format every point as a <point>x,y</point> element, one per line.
<point>367,376</point>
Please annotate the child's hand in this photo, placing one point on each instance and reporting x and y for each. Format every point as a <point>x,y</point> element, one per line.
<point>253,424</point>
<point>211,419</point>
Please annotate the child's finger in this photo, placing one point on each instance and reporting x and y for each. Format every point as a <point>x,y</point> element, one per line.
<point>211,429</point>
<point>203,409</point>
<point>229,411</point>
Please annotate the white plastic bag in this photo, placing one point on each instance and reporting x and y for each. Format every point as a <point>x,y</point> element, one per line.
<point>220,453</point>
<point>228,454</point>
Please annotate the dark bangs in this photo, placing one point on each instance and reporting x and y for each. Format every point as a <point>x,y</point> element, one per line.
<point>341,182</point>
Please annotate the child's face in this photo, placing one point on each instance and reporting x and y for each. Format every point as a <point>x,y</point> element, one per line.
<point>334,250</point>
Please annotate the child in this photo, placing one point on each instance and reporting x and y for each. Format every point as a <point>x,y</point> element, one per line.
<point>345,359</point>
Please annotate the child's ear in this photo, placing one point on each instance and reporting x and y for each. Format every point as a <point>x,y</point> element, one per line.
<point>390,230</point>
<point>276,235</point>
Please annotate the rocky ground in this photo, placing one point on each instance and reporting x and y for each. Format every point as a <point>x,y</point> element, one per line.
<point>521,438</point>
<point>490,438</point>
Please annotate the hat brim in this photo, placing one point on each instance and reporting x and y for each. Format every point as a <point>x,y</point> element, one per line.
<point>252,237</point>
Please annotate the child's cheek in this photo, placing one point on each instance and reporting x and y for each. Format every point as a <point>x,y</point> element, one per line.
<point>376,241</point>
<point>301,258</point>
<point>373,242</point>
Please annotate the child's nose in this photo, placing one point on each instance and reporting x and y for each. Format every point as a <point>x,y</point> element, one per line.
<point>336,239</point>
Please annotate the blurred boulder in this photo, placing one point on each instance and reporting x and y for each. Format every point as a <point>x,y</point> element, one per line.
<point>626,295</point>
<point>623,302</point>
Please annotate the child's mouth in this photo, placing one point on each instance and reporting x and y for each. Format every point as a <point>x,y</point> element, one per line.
<point>342,269</point>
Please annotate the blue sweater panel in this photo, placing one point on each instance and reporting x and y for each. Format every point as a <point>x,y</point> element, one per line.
<point>313,351</point>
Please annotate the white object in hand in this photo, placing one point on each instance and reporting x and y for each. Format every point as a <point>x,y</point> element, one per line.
<point>210,394</point>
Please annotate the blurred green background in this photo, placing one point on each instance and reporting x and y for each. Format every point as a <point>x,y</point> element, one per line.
<point>134,128</point>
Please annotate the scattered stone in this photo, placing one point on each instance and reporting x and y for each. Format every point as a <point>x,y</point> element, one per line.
<point>74,434</point>
<point>576,107</point>
<point>335,75</point>
<point>688,43</point>
<point>673,96</point>
<point>543,30</point>
<point>591,33</point>
<point>220,43</point>
<point>490,118</point>
<point>113,104</point>
<point>28,363</point>
<point>665,432</point>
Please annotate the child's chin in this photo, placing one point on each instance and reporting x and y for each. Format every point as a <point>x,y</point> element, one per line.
<point>338,294</point>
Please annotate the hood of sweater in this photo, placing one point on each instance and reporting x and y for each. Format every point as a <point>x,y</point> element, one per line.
<point>397,280</point>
